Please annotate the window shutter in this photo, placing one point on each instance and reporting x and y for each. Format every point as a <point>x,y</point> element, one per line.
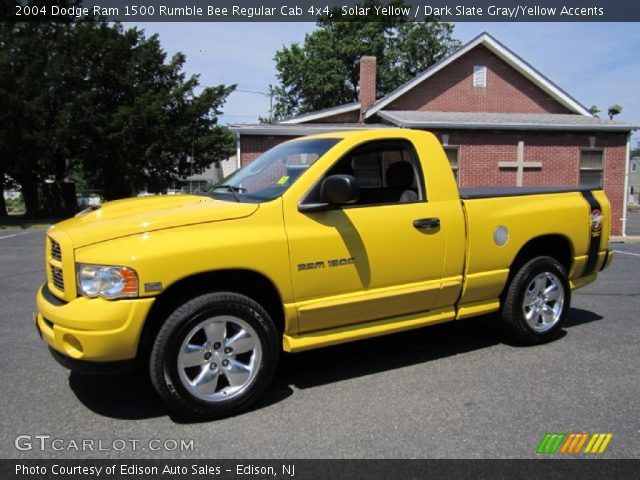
<point>480,76</point>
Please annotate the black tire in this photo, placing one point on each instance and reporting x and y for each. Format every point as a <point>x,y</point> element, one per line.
<point>525,321</point>
<point>208,389</point>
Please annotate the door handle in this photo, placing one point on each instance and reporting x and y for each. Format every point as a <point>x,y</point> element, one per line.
<point>427,223</point>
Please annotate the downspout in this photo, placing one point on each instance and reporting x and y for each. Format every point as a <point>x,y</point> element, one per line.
<point>238,151</point>
<point>626,186</point>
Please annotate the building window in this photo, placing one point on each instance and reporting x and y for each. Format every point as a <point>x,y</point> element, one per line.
<point>452,156</point>
<point>479,76</point>
<point>633,166</point>
<point>195,186</point>
<point>368,170</point>
<point>591,168</point>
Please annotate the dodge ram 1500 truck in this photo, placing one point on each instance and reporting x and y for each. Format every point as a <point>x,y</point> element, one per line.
<point>321,240</point>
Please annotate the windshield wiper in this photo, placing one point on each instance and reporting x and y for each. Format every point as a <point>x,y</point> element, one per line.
<point>234,191</point>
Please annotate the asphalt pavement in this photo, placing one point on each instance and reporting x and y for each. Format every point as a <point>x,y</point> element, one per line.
<point>455,390</point>
<point>633,223</point>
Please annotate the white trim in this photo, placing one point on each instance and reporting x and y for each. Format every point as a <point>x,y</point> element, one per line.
<point>238,152</point>
<point>505,54</point>
<point>328,112</point>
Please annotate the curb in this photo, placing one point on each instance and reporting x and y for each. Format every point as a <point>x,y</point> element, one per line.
<point>627,239</point>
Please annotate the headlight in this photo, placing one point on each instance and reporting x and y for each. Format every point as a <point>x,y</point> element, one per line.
<point>106,281</point>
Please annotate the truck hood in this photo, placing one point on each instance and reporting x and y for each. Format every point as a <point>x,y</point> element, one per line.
<point>133,216</point>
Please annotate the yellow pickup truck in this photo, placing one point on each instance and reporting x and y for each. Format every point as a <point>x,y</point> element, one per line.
<point>321,240</point>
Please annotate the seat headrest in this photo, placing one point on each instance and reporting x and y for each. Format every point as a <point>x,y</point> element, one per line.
<point>400,175</point>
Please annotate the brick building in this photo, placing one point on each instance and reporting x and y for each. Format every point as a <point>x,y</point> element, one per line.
<point>501,122</point>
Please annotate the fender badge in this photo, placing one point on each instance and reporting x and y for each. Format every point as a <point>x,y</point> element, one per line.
<point>153,287</point>
<point>596,220</point>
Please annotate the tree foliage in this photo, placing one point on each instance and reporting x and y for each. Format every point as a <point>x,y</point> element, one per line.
<point>324,71</point>
<point>102,105</point>
<point>614,110</point>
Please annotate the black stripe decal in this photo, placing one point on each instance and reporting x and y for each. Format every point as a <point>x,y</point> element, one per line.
<point>595,232</point>
<point>606,257</point>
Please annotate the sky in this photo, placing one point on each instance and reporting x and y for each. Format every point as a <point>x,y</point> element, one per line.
<point>596,63</point>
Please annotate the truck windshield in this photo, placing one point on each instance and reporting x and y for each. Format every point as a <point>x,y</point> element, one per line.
<point>269,175</point>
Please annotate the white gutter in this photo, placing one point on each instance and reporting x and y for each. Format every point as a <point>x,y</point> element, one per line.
<point>238,151</point>
<point>329,112</point>
<point>626,186</point>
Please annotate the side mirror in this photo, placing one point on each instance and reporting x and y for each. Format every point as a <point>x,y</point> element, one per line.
<point>339,190</point>
<point>335,190</point>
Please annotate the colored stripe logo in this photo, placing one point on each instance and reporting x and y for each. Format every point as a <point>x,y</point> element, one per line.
<point>574,443</point>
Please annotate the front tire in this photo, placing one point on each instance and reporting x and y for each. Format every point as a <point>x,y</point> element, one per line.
<point>536,302</point>
<point>214,355</point>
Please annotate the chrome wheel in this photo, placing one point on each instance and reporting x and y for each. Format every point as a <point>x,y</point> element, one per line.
<point>219,358</point>
<point>543,301</point>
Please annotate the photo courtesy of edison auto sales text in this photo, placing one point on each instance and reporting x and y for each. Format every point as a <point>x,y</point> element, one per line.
<point>126,469</point>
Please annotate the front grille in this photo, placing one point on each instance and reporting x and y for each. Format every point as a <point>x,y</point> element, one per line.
<point>56,253</point>
<point>57,278</point>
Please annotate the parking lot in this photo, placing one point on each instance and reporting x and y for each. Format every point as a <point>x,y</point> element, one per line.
<point>452,390</point>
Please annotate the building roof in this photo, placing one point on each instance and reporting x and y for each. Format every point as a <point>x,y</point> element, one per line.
<point>502,121</point>
<point>510,57</point>
<point>326,112</point>
<point>276,129</point>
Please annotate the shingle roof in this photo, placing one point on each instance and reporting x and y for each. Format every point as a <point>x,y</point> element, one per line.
<point>502,121</point>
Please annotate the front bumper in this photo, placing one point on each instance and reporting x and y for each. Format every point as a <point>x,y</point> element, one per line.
<point>91,329</point>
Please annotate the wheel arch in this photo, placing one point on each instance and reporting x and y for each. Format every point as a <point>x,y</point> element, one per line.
<point>556,246</point>
<point>253,284</point>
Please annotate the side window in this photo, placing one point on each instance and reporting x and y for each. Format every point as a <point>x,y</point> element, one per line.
<point>386,171</point>
<point>591,168</point>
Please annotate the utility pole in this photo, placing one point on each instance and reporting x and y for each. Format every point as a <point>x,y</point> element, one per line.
<point>270,103</point>
<point>268,94</point>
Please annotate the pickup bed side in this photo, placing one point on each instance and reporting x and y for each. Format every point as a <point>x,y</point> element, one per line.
<point>563,221</point>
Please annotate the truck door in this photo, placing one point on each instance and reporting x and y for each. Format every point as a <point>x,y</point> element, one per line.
<point>380,257</point>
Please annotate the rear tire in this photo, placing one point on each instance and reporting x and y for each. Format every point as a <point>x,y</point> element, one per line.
<point>214,356</point>
<point>536,302</point>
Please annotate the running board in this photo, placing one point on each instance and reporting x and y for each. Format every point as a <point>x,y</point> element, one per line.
<point>359,331</point>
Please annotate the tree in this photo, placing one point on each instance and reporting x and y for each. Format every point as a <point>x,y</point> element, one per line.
<point>614,110</point>
<point>26,104</point>
<point>145,125</point>
<point>594,110</point>
<point>94,102</point>
<point>324,71</point>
